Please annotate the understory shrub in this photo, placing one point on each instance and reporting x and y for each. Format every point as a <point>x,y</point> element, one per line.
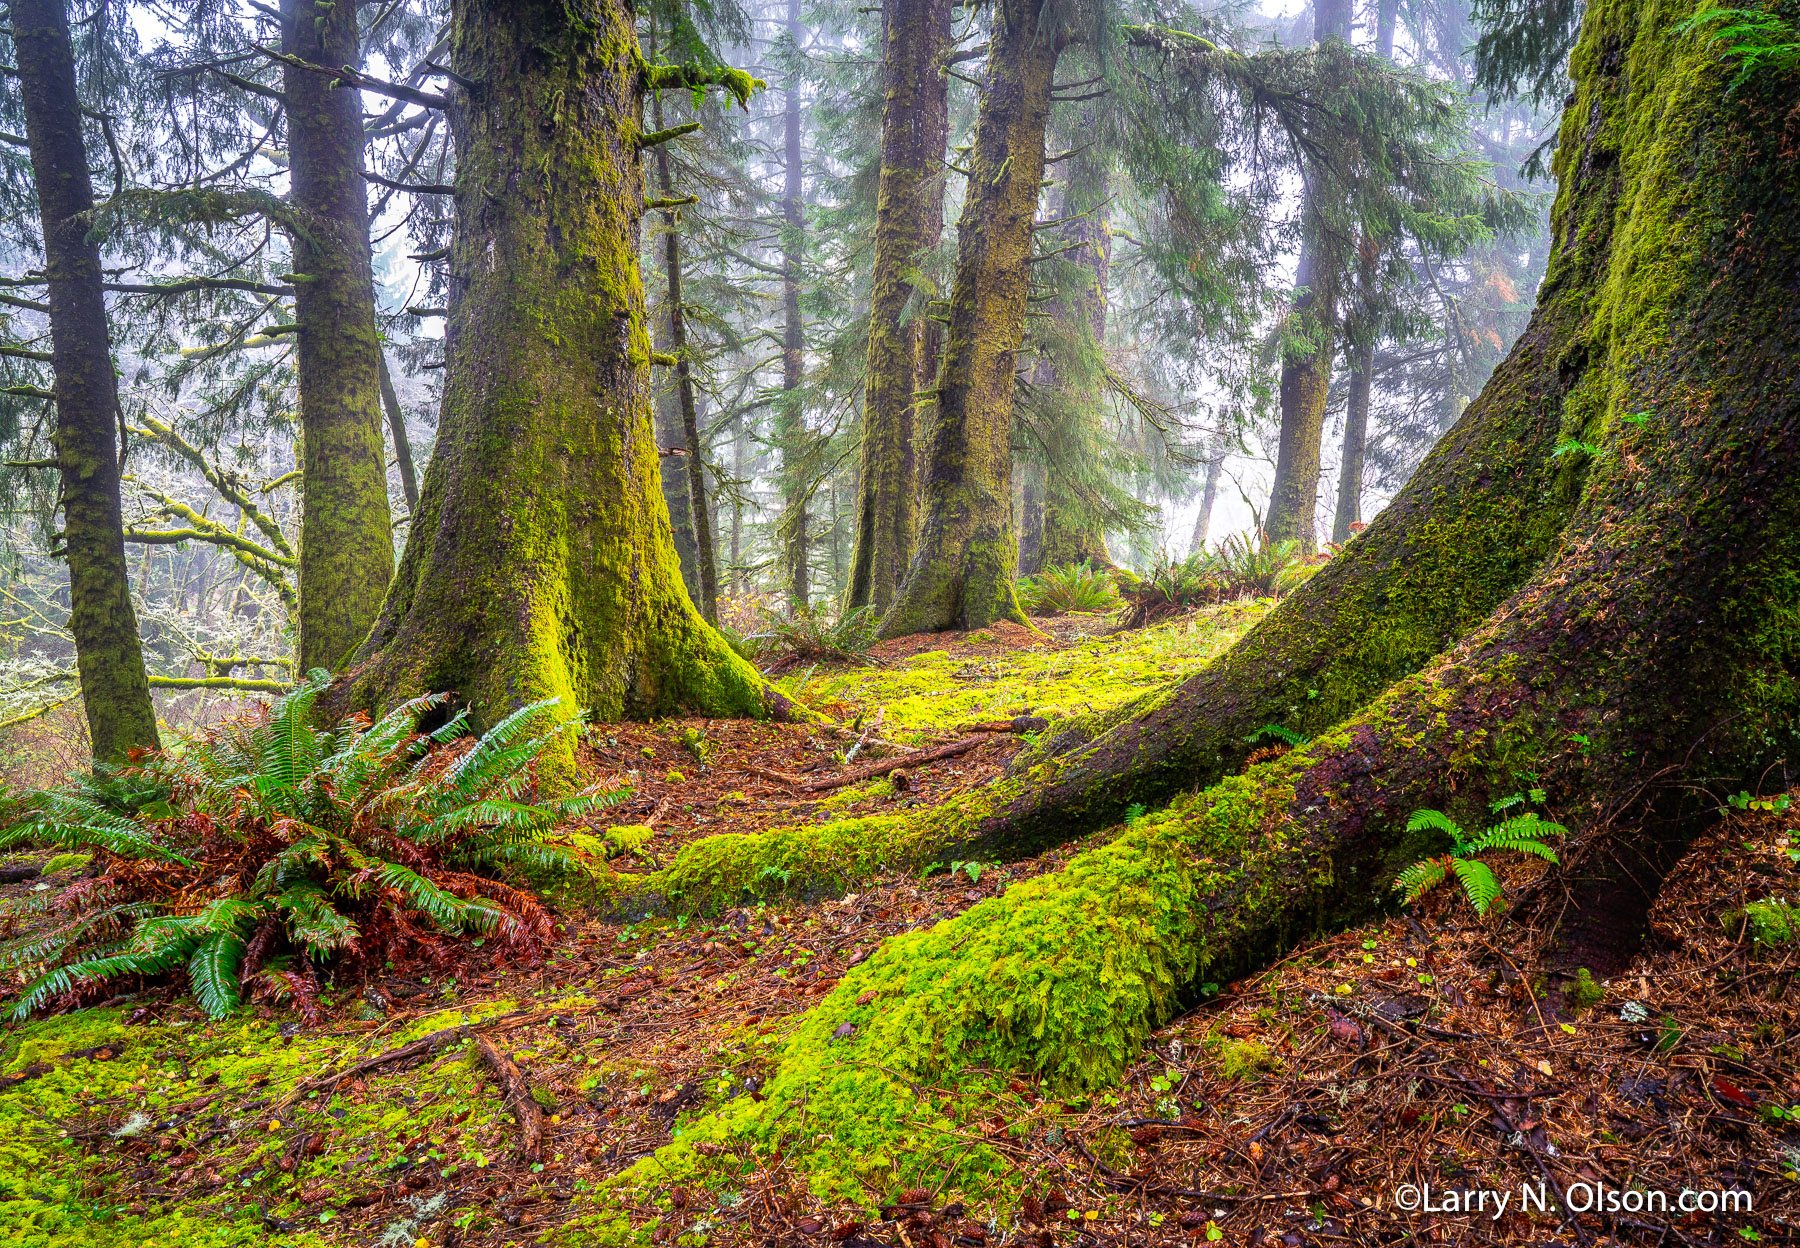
<point>265,853</point>
<point>815,633</point>
<point>1076,587</point>
<point>1239,567</point>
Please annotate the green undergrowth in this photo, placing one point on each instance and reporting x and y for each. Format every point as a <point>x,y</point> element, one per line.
<point>895,1078</point>
<point>940,689</point>
<point>144,1101</point>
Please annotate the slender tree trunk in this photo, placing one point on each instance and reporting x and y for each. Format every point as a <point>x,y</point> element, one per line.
<point>1650,653</point>
<point>915,121</point>
<point>346,536</point>
<point>961,575</point>
<point>115,690</point>
<point>1209,495</point>
<point>1031,521</point>
<point>1306,369</point>
<point>1356,438</point>
<point>671,436</point>
<point>1073,533</point>
<point>738,583</point>
<point>403,459</point>
<point>541,564</point>
<point>790,434</point>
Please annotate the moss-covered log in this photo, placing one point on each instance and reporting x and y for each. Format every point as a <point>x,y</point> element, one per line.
<point>961,575</point>
<point>541,563</point>
<point>108,656</point>
<point>1654,651</point>
<point>346,538</point>
<point>915,120</point>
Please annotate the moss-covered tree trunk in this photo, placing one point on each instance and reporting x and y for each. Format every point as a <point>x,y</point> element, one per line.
<point>541,563</point>
<point>1653,652</point>
<point>961,575</point>
<point>346,538</point>
<point>790,411</point>
<point>1306,361</point>
<point>915,119</point>
<point>115,690</point>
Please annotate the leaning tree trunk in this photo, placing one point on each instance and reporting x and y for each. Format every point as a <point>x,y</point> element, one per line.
<point>961,575</point>
<point>115,691</point>
<point>915,119</point>
<point>1209,496</point>
<point>790,411</point>
<point>541,563</point>
<point>1653,652</point>
<point>346,536</point>
<point>1356,442</point>
<point>1306,364</point>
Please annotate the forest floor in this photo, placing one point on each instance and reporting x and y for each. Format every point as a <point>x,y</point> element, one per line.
<point>1291,1107</point>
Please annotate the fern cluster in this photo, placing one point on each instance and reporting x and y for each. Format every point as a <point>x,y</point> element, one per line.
<point>268,850</point>
<point>1239,567</point>
<point>811,633</point>
<point>1076,587</point>
<point>1521,834</point>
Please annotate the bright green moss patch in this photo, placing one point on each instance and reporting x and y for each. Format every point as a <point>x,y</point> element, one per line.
<point>1771,922</point>
<point>67,862</point>
<point>943,688</point>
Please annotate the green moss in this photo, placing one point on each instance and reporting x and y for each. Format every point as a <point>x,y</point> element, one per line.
<point>1245,1059</point>
<point>67,862</point>
<point>1770,922</point>
<point>627,838</point>
<point>1584,993</point>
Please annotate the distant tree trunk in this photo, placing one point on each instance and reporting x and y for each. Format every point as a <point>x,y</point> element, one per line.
<point>346,534</point>
<point>1073,532</point>
<point>1306,369</point>
<point>961,574</point>
<point>109,659</point>
<point>790,434</point>
<point>738,583</point>
<point>403,459</point>
<point>541,564</point>
<point>909,218</point>
<point>1209,495</point>
<point>1356,438</point>
<point>685,490</point>
<point>1031,521</point>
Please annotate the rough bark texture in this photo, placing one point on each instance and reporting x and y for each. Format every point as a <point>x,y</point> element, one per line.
<point>346,538</point>
<point>1655,649</point>
<point>790,412</point>
<point>114,688</point>
<point>961,575</point>
<point>915,120</point>
<point>541,564</point>
<point>1356,440</point>
<point>1306,370</point>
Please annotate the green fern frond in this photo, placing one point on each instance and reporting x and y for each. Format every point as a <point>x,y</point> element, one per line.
<point>1420,878</point>
<point>213,973</point>
<point>1423,820</point>
<point>72,820</point>
<point>1478,881</point>
<point>314,922</point>
<point>1499,839</point>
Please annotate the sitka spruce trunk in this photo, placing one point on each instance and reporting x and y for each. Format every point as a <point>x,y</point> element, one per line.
<point>914,125</point>
<point>1651,652</point>
<point>346,535</point>
<point>961,575</point>
<point>541,563</point>
<point>115,690</point>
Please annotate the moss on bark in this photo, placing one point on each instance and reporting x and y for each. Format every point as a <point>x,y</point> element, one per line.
<point>961,575</point>
<point>346,537</point>
<point>108,657</point>
<point>541,564</point>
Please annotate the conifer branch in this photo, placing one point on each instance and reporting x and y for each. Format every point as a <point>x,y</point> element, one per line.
<point>22,353</point>
<point>412,188</point>
<point>28,392</point>
<point>656,137</point>
<point>227,485</point>
<point>695,77</point>
<point>187,285</point>
<point>353,78</point>
<point>29,305</point>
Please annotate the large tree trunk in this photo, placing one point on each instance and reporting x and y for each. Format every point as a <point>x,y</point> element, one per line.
<point>915,120</point>
<point>115,691</point>
<point>1653,652</point>
<point>1306,364</point>
<point>541,563</point>
<point>790,413</point>
<point>346,536</point>
<point>961,575</point>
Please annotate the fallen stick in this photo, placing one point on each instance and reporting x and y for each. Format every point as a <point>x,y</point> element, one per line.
<point>425,1045</point>
<point>1017,724</point>
<point>780,777</point>
<point>19,872</point>
<point>511,1079</point>
<point>871,770</point>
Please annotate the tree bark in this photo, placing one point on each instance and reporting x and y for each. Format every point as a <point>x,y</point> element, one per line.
<point>109,659</point>
<point>915,121</point>
<point>346,536</point>
<point>1209,496</point>
<point>1650,656</point>
<point>790,433</point>
<point>403,459</point>
<point>1356,439</point>
<point>1031,521</point>
<point>541,564</point>
<point>1306,365</point>
<point>961,575</point>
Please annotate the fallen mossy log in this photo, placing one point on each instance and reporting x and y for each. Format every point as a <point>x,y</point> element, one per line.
<point>1654,654</point>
